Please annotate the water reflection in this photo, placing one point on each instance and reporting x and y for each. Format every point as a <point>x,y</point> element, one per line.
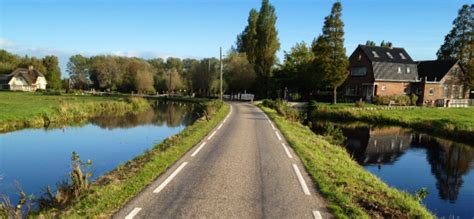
<point>40,157</point>
<point>409,161</point>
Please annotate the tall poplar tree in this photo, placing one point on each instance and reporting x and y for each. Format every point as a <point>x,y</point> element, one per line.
<point>330,61</point>
<point>266,47</point>
<point>459,42</point>
<point>247,40</point>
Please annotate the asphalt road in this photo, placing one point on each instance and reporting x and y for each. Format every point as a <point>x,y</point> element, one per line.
<point>242,169</point>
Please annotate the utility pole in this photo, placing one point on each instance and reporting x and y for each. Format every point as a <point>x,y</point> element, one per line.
<point>220,60</point>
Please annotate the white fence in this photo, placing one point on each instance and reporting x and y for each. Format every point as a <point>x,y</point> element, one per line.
<point>241,97</point>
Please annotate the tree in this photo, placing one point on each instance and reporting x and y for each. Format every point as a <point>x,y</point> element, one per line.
<point>173,80</point>
<point>266,47</point>
<point>8,62</point>
<point>385,44</point>
<point>78,68</point>
<point>36,63</point>
<point>239,73</point>
<point>204,75</point>
<point>53,72</point>
<point>295,71</point>
<point>459,42</point>
<point>330,60</point>
<point>247,40</point>
<point>370,43</point>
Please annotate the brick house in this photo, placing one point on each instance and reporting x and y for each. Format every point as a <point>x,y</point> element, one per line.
<point>384,71</point>
<point>440,80</point>
<point>379,71</point>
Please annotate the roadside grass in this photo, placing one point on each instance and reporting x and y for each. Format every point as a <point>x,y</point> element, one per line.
<point>457,123</point>
<point>351,191</point>
<point>113,190</point>
<point>25,109</point>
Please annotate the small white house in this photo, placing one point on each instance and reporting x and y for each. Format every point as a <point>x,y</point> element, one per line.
<point>23,79</point>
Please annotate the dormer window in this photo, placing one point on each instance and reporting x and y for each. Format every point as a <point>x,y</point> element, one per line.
<point>360,57</point>
<point>408,70</point>
<point>389,55</point>
<point>402,56</point>
<point>375,54</point>
<point>399,70</point>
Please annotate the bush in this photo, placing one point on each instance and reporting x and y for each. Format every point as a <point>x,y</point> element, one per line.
<point>402,100</point>
<point>295,96</point>
<point>360,103</point>
<point>283,109</point>
<point>413,99</point>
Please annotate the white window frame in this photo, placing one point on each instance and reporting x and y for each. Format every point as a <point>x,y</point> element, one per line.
<point>431,91</point>
<point>408,70</point>
<point>399,70</point>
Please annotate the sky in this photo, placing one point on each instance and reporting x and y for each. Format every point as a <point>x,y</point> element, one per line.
<point>197,28</point>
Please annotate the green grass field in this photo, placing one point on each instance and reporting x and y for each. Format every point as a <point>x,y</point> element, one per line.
<point>448,122</point>
<point>25,109</point>
<point>350,191</point>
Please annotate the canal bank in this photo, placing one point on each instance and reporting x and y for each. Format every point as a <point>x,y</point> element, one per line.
<point>409,160</point>
<point>350,190</point>
<point>111,191</point>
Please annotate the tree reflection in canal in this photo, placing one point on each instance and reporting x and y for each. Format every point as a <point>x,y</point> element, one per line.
<point>397,156</point>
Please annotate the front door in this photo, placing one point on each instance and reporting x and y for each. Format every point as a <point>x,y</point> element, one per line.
<point>369,93</point>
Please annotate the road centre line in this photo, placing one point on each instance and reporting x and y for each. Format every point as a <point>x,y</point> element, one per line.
<point>212,135</point>
<point>286,150</point>
<point>301,179</point>
<point>133,213</point>
<point>198,149</point>
<point>317,215</point>
<point>168,180</point>
<point>278,135</point>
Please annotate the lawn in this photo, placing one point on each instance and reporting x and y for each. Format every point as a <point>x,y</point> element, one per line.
<point>25,109</point>
<point>448,122</point>
<point>350,191</point>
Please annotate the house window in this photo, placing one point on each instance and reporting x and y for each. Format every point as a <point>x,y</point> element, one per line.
<point>408,70</point>
<point>389,55</point>
<point>402,56</point>
<point>445,91</point>
<point>360,57</point>
<point>432,90</point>
<point>375,54</point>
<point>399,70</point>
<point>351,90</point>
<point>359,71</point>
<point>461,91</point>
<point>454,92</point>
<point>383,88</point>
<point>406,90</point>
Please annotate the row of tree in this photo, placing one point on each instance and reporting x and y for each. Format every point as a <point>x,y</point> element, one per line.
<point>49,66</point>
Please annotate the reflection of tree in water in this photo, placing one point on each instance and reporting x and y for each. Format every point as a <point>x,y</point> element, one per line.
<point>449,162</point>
<point>171,114</point>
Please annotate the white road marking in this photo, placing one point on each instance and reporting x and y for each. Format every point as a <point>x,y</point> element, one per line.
<point>273,127</point>
<point>286,150</point>
<point>212,135</point>
<point>198,149</point>
<point>220,126</point>
<point>317,215</point>
<point>168,180</point>
<point>300,178</point>
<point>278,135</point>
<point>133,213</point>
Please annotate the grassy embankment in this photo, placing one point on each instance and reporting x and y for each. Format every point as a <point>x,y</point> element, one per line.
<point>23,109</point>
<point>113,190</point>
<point>349,190</point>
<point>455,123</point>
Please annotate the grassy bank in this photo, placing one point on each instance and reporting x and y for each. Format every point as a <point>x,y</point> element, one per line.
<point>24,109</point>
<point>113,190</point>
<point>454,123</point>
<point>349,189</point>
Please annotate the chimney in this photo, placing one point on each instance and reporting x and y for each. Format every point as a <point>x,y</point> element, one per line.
<point>30,68</point>
<point>390,46</point>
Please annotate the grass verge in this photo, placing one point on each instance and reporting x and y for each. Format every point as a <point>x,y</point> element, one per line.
<point>24,109</point>
<point>113,190</point>
<point>351,191</point>
<point>454,123</point>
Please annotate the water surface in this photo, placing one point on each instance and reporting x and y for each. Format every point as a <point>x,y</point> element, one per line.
<point>36,158</point>
<point>409,161</point>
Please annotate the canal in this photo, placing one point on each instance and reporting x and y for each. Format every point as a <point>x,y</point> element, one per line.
<point>409,161</point>
<point>36,158</point>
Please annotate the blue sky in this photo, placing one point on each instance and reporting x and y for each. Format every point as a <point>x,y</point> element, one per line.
<point>196,28</point>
